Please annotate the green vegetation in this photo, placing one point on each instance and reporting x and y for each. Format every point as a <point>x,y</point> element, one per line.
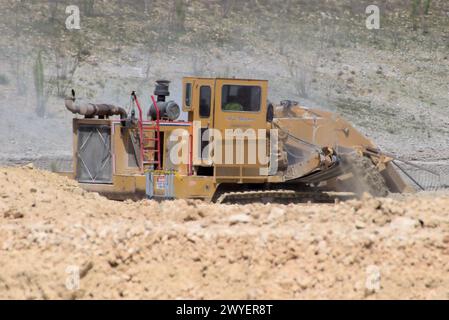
<point>4,81</point>
<point>426,6</point>
<point>180,15</point>
<point>88,7</point>
<point>54,166</point>
<point>231,23</point>
<point>39,85</point>
<point>419,8</point>
<point>415,7</point>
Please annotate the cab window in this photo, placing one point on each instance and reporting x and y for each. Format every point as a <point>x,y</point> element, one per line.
<point>188,94</point>
<point>241,98</point>
<point>205,101</point>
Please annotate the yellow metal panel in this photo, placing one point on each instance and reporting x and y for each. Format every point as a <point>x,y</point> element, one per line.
<point>194,187</point>
<point>241,120</point>
<point>185,81</point>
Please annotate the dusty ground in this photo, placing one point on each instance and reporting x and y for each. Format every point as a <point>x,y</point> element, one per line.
<point>375,248</point>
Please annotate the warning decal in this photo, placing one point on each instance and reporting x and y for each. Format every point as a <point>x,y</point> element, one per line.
<point>160,182</point>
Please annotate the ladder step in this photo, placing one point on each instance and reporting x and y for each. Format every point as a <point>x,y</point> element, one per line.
<point>151,162</point>
<point>150,150</point>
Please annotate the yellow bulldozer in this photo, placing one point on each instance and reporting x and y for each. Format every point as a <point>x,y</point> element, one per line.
<point>232,145</point>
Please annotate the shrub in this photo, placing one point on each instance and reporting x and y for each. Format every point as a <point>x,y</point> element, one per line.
<point>3,80</point>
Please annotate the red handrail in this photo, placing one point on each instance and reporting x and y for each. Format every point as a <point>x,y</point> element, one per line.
<point>190,154</point>
<point>140,121</point>
<point>158,133</point>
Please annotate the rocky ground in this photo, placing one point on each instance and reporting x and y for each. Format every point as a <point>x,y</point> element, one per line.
<point>51,231</point>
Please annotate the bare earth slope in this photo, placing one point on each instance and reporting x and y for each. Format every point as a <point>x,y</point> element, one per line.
<point>390,83</point>
<point>185,249</point>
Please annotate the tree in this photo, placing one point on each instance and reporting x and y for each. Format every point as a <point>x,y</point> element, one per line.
<point>227,7</point>
<point>300,75</point>
<point>420,8</point>
<point>180,15</point>
<point>146,6</point>
<point>426,7</point>
<point>53,5</point>
<point>66,63</point>
<point>38,74</point>
<point>20,68</point>
<point>88,7</point>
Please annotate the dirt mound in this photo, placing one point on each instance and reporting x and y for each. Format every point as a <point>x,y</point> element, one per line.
<point>57,241</point>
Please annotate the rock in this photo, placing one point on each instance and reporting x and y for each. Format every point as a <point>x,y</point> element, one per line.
<point>196,256</point>
<point>79,192</point>
<point>254,294</point>
<point>432,223</point>
<point>18,215</point>
<point>368,243</point>
<point>113,260</point>
<point>366,196</point>
<point>239,218</point>
<point>382,220</point>
<point>360,225</point>
<point>431,283</point>
<point>404,224</point>
<point>375,204</point>
<point>85,268</point>
<point>13,214</point>
<point>275,214</point>
<point>304,282</point>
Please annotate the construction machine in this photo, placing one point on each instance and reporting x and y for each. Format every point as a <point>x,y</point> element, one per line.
<point>232,145</point>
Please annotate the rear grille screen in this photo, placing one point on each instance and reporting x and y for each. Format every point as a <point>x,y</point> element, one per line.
<point>94,157</point>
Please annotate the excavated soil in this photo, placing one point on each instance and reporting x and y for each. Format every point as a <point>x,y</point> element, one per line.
<point>51,231</point>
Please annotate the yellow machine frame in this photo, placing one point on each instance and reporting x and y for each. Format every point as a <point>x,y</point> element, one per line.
<point>313,126</point>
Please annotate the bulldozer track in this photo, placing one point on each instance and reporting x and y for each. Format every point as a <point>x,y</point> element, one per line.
<point>283,196</point>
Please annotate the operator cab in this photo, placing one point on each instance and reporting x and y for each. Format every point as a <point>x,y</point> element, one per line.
<point>226,105</point>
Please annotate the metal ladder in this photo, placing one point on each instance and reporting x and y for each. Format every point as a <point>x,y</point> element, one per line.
<point>144,139</point>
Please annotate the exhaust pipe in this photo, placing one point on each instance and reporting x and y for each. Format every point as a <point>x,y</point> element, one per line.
<point>90,110</point>
<point>168,109</point>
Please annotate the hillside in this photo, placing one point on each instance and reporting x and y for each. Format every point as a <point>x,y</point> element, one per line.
<point>391,82</point>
